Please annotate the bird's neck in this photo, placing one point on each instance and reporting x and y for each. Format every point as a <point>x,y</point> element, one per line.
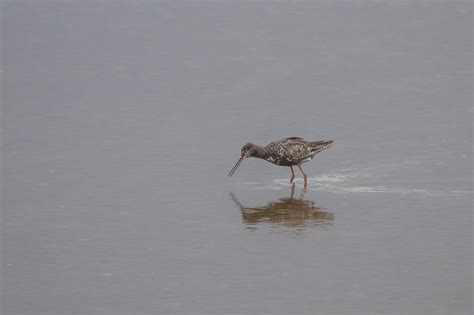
<point>260,152</point>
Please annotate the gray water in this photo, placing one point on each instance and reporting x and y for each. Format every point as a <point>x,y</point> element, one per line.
<point>121,120</point>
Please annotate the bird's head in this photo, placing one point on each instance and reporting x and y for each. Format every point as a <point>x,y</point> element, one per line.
<point>248,150</point>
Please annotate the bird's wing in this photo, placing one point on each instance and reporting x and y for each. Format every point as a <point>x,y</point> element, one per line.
<point>292,149</point>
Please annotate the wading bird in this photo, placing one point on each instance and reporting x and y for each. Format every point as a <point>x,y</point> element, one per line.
<point>285,152</point>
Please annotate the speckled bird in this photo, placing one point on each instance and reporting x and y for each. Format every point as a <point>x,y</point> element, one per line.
<point>285,152</point>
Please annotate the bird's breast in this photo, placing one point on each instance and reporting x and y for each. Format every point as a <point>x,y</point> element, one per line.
<point>272,159</point>
<point>278,161</point>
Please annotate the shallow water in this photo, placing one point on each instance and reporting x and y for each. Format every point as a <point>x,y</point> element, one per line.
<point>121,121</point>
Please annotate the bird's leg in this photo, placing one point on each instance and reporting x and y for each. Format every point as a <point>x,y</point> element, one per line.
<point>304,175</point>
<point>292,174</point>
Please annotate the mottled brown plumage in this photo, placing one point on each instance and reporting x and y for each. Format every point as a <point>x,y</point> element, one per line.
<point>284,152</point>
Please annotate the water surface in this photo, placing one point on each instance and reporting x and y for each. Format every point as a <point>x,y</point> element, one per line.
<point>121,121</point>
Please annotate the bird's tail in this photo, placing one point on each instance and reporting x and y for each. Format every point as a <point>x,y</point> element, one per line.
<point>318,146</point>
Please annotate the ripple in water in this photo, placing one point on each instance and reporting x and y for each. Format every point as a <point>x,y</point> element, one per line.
<point>346,181</point>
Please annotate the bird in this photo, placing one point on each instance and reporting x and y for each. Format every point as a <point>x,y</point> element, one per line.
<point>284,152</point>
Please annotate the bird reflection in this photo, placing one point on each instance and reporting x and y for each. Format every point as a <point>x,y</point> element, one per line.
<point>287,211</point>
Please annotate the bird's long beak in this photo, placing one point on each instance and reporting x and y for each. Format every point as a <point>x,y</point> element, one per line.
<point>236,165</point>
